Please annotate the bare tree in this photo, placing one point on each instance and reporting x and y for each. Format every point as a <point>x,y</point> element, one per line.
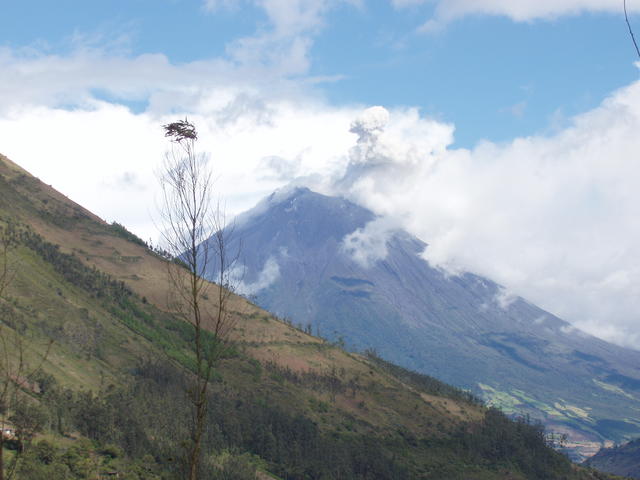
<point>195,235</point>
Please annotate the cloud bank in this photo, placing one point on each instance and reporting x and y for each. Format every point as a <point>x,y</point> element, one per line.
<point>552,217</point>
<point>368,245</point>
<point>447,11</point>
<point>267,276</point>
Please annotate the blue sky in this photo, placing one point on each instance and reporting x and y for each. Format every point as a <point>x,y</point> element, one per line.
<point>494,78</point>
<point>502,132</point>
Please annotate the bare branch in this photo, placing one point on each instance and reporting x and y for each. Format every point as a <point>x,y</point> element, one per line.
<point>633,38</point>
<point>180,130</point>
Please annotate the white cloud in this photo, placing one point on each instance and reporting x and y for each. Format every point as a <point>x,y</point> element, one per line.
<point>94,156</point>
<point>518,10</point>
<point>552,217</point>
<point>85,152</point>
<point>540,320</point>
<point>286,17</point>
<point>284,44</point>
<point>368,245</point>
<point>213,5</point>
<point>99,64</point>
<point>54,124</point>
<point>383,149</point>
<point>568,329</point>
<point>504,298</point>
<point>269,274</point>
<point>244,104</point>
<point>77,79</point>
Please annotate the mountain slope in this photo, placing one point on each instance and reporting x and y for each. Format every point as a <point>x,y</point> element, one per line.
<point>621,460</point>
<point>309,257</point>
<point>112,388</point>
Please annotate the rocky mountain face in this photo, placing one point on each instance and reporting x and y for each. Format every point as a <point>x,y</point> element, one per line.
<point>334,267</point>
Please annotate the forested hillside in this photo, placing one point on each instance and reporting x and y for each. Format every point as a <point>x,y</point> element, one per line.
<point>96,368</point>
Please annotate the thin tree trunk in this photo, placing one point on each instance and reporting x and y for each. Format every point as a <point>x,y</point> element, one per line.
<point>190,223</point>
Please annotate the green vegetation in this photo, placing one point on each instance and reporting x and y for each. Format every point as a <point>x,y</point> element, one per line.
<point>165,332</point>
<point>141,425</point>
<point>149,417</point>
<point>110,399</point>
<point>423,382</point>
<point>135,426</point>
